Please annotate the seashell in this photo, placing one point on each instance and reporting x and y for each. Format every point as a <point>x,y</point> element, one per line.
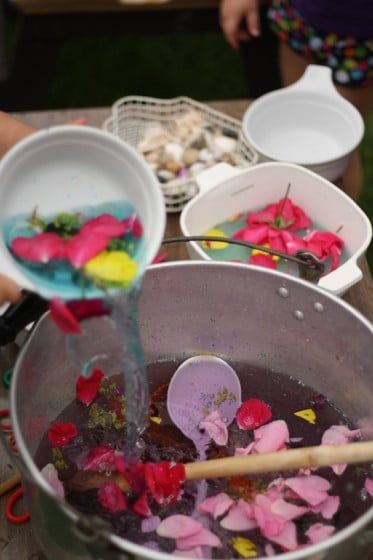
<point>172,165</point>
<point>223,145</point>
<point>190,156</point>
<point>154,138</point>
<point>164,175</point>
<point>206,156</point>
<point>174,151</point>
<point>196,168</point>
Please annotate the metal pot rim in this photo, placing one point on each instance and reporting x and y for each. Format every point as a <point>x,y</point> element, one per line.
<point>29,467</point>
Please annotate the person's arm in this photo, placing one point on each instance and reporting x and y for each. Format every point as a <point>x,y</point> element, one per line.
<point>232,13</point>
<point>11,131</point>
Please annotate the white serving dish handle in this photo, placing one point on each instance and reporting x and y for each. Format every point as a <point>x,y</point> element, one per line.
<point>316,79</point>
<point>217,174</point>
<point>342,279</point>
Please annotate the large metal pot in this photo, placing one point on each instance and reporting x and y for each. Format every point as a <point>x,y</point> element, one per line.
<point>248,314</point>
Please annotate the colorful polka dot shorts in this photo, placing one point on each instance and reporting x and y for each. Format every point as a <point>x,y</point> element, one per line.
<point>350,60</point>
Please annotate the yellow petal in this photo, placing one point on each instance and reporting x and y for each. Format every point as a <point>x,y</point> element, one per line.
<point>259,252</point>
<point>214,244</point>
<point>245,547</point>
<point>307,414</point>
<point>114,267</point>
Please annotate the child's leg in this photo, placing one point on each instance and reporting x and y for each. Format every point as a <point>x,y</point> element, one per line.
<point>292,65</point>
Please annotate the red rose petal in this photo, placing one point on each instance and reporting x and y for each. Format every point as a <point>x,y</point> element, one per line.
<point>141,506</point>
<point>60,433</point>
<point>164,481</point>
<point>100,458</point>
<point>263,260</point>
<point>85,308</point>
<point>252,414</point>
<point>62,316</point>
<point>87,387</point>
<point>111,497</point>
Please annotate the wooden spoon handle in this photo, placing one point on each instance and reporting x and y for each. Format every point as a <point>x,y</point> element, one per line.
<point>290,459</point>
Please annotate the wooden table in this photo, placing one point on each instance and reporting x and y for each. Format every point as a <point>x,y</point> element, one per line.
<point>16,542</point>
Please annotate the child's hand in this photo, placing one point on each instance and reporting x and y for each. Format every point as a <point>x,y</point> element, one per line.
<point>232,12</point>
<point>9,291</point>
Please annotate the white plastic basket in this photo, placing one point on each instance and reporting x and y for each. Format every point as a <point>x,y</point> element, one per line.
<point>131,116</point>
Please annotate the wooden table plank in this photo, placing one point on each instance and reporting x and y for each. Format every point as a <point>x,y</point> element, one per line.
<point>16,542</point>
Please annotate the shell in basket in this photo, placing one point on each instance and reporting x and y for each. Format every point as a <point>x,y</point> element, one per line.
<point>226,191</point>
<point>179,138</point>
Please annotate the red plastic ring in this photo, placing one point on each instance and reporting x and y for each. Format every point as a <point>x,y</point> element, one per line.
<point>9,508</point>
<point>4,413</point>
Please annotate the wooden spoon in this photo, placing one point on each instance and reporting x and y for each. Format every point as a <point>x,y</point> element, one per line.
<point>227,467</point>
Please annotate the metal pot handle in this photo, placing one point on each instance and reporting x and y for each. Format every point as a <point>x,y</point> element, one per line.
<point>310,267</point>
<point>94,532</point>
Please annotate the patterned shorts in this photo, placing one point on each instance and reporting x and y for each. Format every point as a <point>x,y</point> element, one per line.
<point>350,60</point>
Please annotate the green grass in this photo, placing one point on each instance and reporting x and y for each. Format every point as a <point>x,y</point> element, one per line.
<point>97,71</point>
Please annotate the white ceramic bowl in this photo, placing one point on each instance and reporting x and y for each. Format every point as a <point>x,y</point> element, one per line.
<point>67,167</point>
<point>224,191</point>
<point>308,123</point>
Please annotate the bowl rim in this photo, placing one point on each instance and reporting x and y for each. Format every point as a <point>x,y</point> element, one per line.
<point>269,97</point>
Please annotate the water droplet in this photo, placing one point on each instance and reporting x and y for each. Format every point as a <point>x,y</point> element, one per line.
<point>363,495</point>
<point>318,307</point>
<point>299,315</point>
<point>225,420</point>
<point>283,292</point>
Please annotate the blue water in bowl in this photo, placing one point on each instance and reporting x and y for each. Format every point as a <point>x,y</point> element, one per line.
<point>59,277</point>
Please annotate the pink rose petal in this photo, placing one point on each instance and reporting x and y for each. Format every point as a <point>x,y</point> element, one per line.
<point>82,247</point>
<point>50,474</point>
<point>241,451</point>
<point>216,505</point>
<point>319,532</point>
<point>240,517</point>
<point>204,537</point>
<point>312,489</point>
<point>269,550</point>
<point>178,526</point>
<point>256,234</point>
<point>106,225</point>
<point>215,427</point>
<point>287,511</point>
<point>328,508</point>
<point>271,437</point>
<point>41,248</point>
<point>287,538</point>
<point>368,485</point>
<point>150,524</point>
<point>339,435</point>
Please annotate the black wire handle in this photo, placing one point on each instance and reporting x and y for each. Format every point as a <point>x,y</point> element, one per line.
<point>310,267</point>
